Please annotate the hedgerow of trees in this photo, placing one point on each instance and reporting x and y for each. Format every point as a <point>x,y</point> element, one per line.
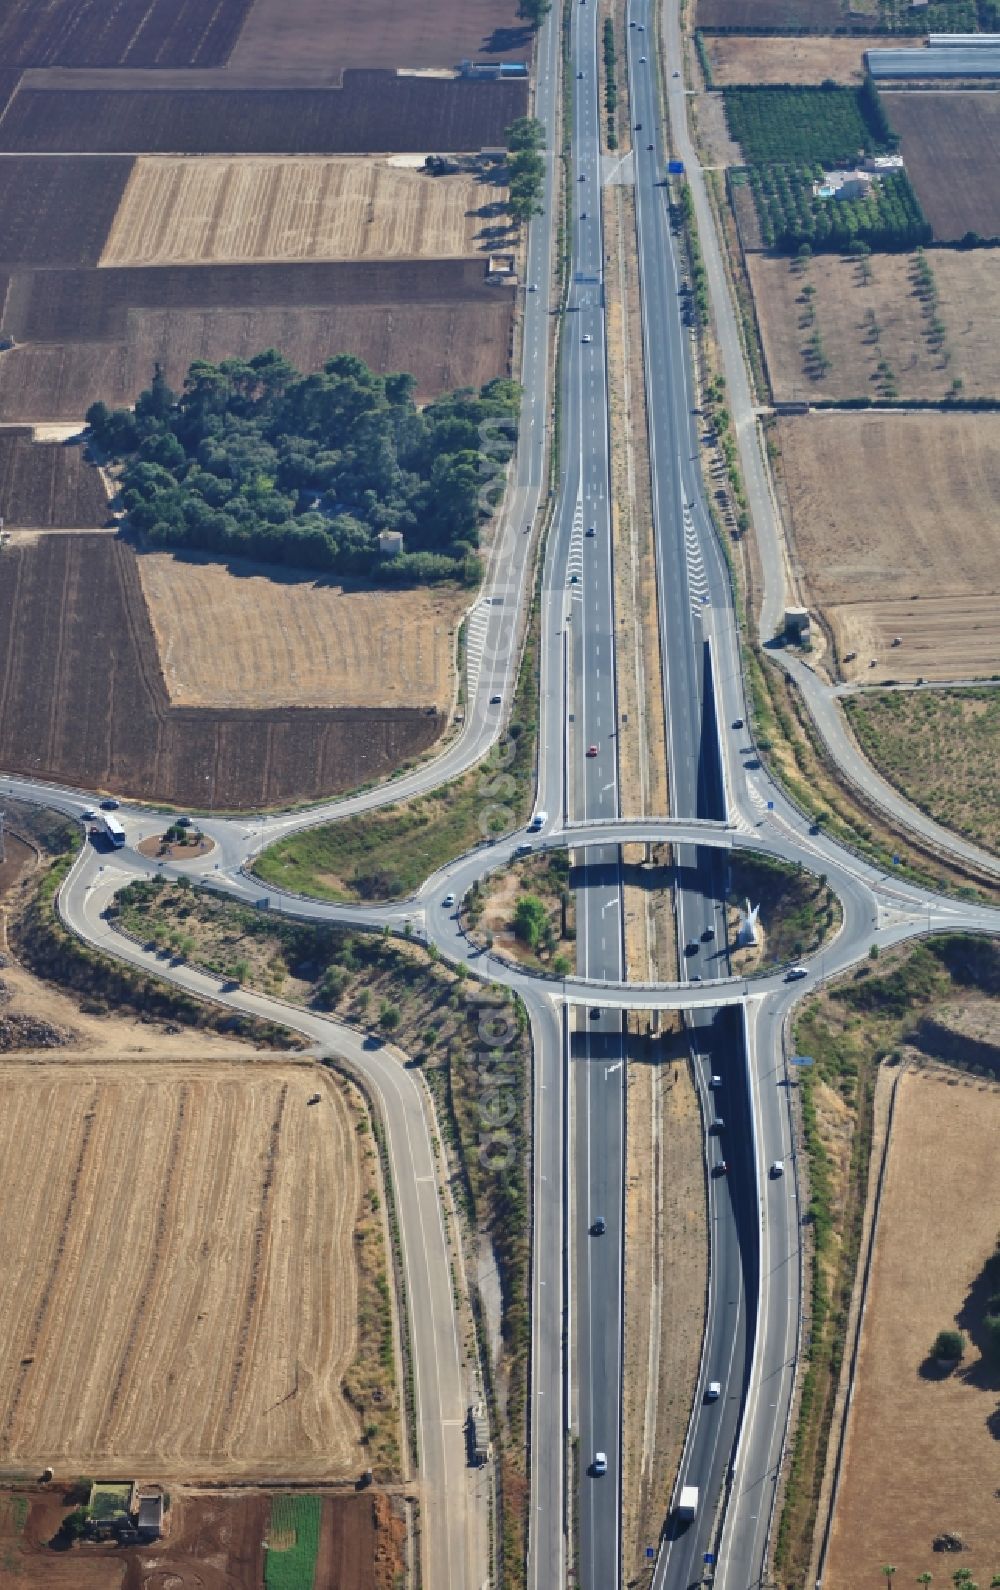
<point>254,459</point>
<point>889,217</point>
<point>525,140</point>
<point>798,124</point>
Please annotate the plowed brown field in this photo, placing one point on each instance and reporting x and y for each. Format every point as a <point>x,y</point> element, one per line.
<point>293,38</point>
<point>921,1458</point>
<point>48,484</point>
<point>206,211</point>
<point>142,33</point>
<point>179,1294</point>
<point>894,532</point>
<point>58,212</point>
<point>277,638</point>
<point>951,144</point>
<point>439,319</point>
<point>82,699</point>
<point>374,112</point>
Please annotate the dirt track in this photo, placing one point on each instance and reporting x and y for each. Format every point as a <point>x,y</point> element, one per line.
<point>920,1455</point>
<point>206,211</point>
<point>242,636</point>
<point>180,1293</point>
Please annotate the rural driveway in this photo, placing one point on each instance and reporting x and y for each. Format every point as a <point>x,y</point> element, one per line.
<point>454,1533</point>
<point>819,698</point>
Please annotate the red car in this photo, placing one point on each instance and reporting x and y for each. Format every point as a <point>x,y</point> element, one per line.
<point>592,750</point>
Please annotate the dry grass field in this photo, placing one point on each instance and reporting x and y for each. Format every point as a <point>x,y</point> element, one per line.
<point>209,211</point>
<point>941,748</point>
<point>737,59</point>
<point>848,306</point>
<point>232,636</point>
<point>951,145</point>
<point>893,533</point>
<point>921,1458</point>
<point>179,1292</point>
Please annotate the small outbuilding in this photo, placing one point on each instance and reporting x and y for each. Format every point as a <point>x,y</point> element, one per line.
<point>390,543</point>
<point>149,1522</point>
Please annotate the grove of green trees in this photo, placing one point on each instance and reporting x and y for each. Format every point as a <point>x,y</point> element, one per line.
<point>254,459</point>
<point>889,217</point>
<point>798,124</point>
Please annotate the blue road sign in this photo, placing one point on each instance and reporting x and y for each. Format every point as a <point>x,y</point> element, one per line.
<point>650,1552</point>
<point>896,860</point>
<point>708,1558</point>
<point>770,806</point>
<point>675,167</point>
<point>802,1059</point>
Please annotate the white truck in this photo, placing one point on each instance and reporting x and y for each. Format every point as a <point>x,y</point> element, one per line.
<point>687,1506</point>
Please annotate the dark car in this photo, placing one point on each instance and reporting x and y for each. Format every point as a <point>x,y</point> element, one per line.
<point>691,947</point>
<point>599,1227</point>
<point>110,805</point>
<point>495,700</point>
<point>737,723</point>
<point>708,934</point>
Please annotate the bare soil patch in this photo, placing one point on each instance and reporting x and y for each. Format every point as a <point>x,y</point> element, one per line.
<point>709,117</point>
<point>892,524</point>
<point>737,60</point>
<point>951,145</point>
<point>48,484</point>
<point>374,112</point>
<point>791,16</point>
<point>209,210</point>
<point>190,849</point>
<point>241,635</point>
<point>82,699</point>
<point>220,1347</point>
<point>921,1458</point>
<point>58,212</point>
<point>869,314</point>
<point>286,39</point>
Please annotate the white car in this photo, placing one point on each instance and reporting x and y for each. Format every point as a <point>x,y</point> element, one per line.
<point>600,1462</point>
<point>587,337</point>
<point>715,1082</point>
<point>642,60</point>
<point>795,974</point>
<point>777,1169</point>
<point>449,899</point>
<point>714,1391</point>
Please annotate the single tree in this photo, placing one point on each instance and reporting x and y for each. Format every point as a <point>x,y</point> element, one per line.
<point>949,1346</point>
<point>924,1578</point>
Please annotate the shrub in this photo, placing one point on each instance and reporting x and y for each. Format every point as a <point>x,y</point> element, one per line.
<point>949,1346</point>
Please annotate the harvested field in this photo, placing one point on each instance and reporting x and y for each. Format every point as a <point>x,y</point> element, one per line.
<point>893,532</point>
<point>145,33</point>
<point>58,212</point>
<point>82,699</point>
<point>788,16</point>
<point>220,1346</point>
<point>374,112</point>
<point>951,145</point>
<point>213,1543</point>
<point>278,638</point>
<point>48,484</point>
<point>921,1458</point>
<point>205,211</point>
<point>288,39</point>
<point>737,60</point>
<point>849,303</point>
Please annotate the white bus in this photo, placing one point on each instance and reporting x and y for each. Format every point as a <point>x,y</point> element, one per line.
<point>113,829</point>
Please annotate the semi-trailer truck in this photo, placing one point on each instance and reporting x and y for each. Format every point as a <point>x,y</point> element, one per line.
<point>687,1506</point>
